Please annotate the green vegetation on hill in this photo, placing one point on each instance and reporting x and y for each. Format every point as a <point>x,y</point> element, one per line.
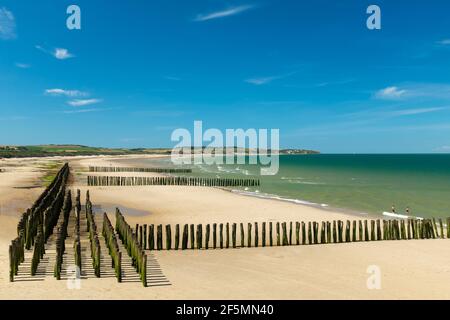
<point>69,150</point>
<point>79,150</point>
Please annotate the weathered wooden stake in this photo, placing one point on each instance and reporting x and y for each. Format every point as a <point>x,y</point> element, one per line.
<point>151,237</point>
<point>208,227</point>
<point>184,242</point>
<point>214,235</point>
<point>270,234</point>
<point>168,237</point>
<point>334,232</point>
<point>159,238</point>
<point>290,233</point>
<point>249,235</point>
<point>233,234</point>
<point>227,237</point>
<point>199,236</point>
<point>263,240</point>
<point>372,230</point>
<point>192,236</point>
<point>242,235</point>
<point>366,231</point>
<point>303,233</point>
<point>285,237</point>
<point>278,234</point>
<point>297,233</point>
<point>256,235</point>
<point>221,235</point>
<point>309,233</point>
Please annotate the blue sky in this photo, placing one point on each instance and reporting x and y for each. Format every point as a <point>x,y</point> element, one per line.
<point>139,69</point>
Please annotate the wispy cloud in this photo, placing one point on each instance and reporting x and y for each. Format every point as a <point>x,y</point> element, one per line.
<point>13,118</point>
<point>86,110</point>
<point>418,90</point>
<point>223,13</point>
<point>410,112</point>
<point>58,53</point>
<point>66,93</point>
<point>258,81</point>
<point>391,93</point>
<point>443,149</point>
<point>23,65</point>
<point>171,78</point>
<point>444,42</point>
<point>83,102</point>
<point>7,24</point>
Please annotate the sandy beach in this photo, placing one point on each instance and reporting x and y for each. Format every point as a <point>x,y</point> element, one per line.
<point>415,269</point>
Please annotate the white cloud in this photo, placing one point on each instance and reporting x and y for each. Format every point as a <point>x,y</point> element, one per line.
<point>224,13</point>
<point>83,102</point>
<point>62,54</point>
<point>82,111</point>
<point>410,112</point>
<point>67,93</point>
<point>391,93</point>
<point>444,42</point>
<point>261,80</point>
<point>58,53</point>
<point>415,90</point>
<point>7,24</point>
<point>23,65</point>
<point>172,78</point>
<point>258,81</point>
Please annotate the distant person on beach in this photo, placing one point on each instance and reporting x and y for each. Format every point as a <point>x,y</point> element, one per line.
<point>393,209</point>
<point>407,211</point>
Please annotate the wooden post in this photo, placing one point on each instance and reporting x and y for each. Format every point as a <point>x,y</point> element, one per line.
<point>372,230</point>
<point>329,239</point>
<point>348,231</point>
<point>290,233</point>
<point>334,232</point>
<point>214,235</point>
<point>278,234</point>
<point>207,234</point>
<point>199,236</point>
<point>271,234</point>
<point>184,242</point>
<point>354,239</point>
<point>360,233</point>
<point>285,237</point>
<point>192,227</point>
<point>168,237</point>
<point>177,236</point>
<point>309,233</point>
<point>366,231</point>
<point>441,228</point>
<point>227,238</point>
<point>323,238</point>
<point>159,238</point>
<point>221,235</point>
<point>316,232</point>
<point>145,237</point>
<point>263,240</point>
<point>249,235</point>
<point>303,233</point>
<point>403,230</point>
<point>256,235</point>
<point>233,234</point>
<point>151,237</point>
<point>242,235</point>
<point>379,230</point>
<point>297,233</point>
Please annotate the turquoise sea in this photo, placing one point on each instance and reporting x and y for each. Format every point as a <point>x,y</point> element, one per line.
<point>362,184</point>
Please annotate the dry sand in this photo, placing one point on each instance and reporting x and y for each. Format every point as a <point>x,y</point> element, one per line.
<point>409,269</point>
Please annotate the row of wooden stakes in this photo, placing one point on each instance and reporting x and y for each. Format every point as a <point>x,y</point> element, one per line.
<point>284,234</point>
<point>61,235</point>
<point>113,247</point>
<point>134,249</point>
<point>170,181</point>
<point>132,169</point>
